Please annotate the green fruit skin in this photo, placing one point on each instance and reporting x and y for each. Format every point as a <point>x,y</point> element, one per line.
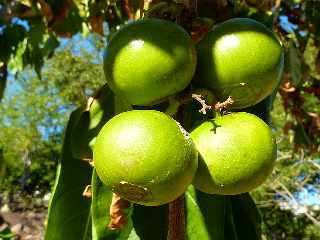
<point>237,153</point>
<point>240,58</point>
<point>149,60</point>
<point>145,157</point>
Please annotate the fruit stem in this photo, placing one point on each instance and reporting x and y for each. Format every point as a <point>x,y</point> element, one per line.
<point>177,221</point>
<point>200,99</point>
<point>224,105</point>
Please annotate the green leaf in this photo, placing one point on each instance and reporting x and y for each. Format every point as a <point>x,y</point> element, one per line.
<point>50,45</point>
<point>293,63</point>
<point>300,136</point>
<point>6,234</point>
<point>101,201</point>
<point>312,10</point>
<point>2,165</point>
<point>69,212</point>
<point>246,217</point>
<point>70,25</point>
<point>310,57</point>
<point>3,80</point>
<point>230,232</point>
<point>205,215</point>
<point>150,222</point>
<point>11,36</point>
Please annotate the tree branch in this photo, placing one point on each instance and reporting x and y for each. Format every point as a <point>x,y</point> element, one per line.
<point>177,223</point>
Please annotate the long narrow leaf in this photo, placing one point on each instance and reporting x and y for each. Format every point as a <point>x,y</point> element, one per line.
<point>246,217</point>
<point>150,222</point>
<point>69,211</point>
<point>205,215</point>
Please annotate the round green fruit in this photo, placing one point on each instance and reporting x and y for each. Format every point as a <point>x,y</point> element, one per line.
<point>236,154</point>
<point>145,157</point>
<point>148,60</point>
<point>240,58</point>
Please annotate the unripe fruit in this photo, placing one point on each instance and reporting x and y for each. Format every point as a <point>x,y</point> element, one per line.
<point>148,60</point>
<point>236,154</point>
<point>145,157</point>
<point>240,58</point>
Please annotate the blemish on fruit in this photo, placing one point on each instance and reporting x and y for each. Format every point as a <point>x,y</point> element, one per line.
<point>132,192</point>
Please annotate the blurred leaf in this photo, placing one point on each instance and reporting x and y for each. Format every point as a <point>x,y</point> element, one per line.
<point>3,79</point>
<point>293,63</point>
<point>312,10</point>
<point>16,62</point>
<point>205,215</point>
<point>10,36</point>
<point>70,25</point>
<point>6,234</point>
<point>300,136</point>
<point>33,53</point>
<point>36,32</point>
<point>166,10</point>
<point>101,201</point>
<point>310,57</point>
<point>83,7</point>
<point>25,2</point>
<point>69,212</point>
<point>2,165</point>
<point>50,45</point>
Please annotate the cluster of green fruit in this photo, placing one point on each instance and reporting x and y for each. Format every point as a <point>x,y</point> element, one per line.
<point>147,157</point>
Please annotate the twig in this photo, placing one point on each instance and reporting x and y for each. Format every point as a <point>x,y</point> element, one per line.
<point>312,219</point>
<point>277,4</point>
<point>200,99</point>
<point>224,105</point>
<point>287,191</point>
<point>117,218</point>
<point>313,163</point>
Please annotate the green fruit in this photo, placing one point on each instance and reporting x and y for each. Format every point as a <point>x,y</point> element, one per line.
<point>145,157</point>
<point>236,154</point>
<point>149,60</point>
<point>240,58</point>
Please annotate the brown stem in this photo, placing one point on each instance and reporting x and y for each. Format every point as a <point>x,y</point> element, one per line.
<point>200,99</point>
<point>127,7</point>
<point>177,221</point>
<point>224,105</point>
